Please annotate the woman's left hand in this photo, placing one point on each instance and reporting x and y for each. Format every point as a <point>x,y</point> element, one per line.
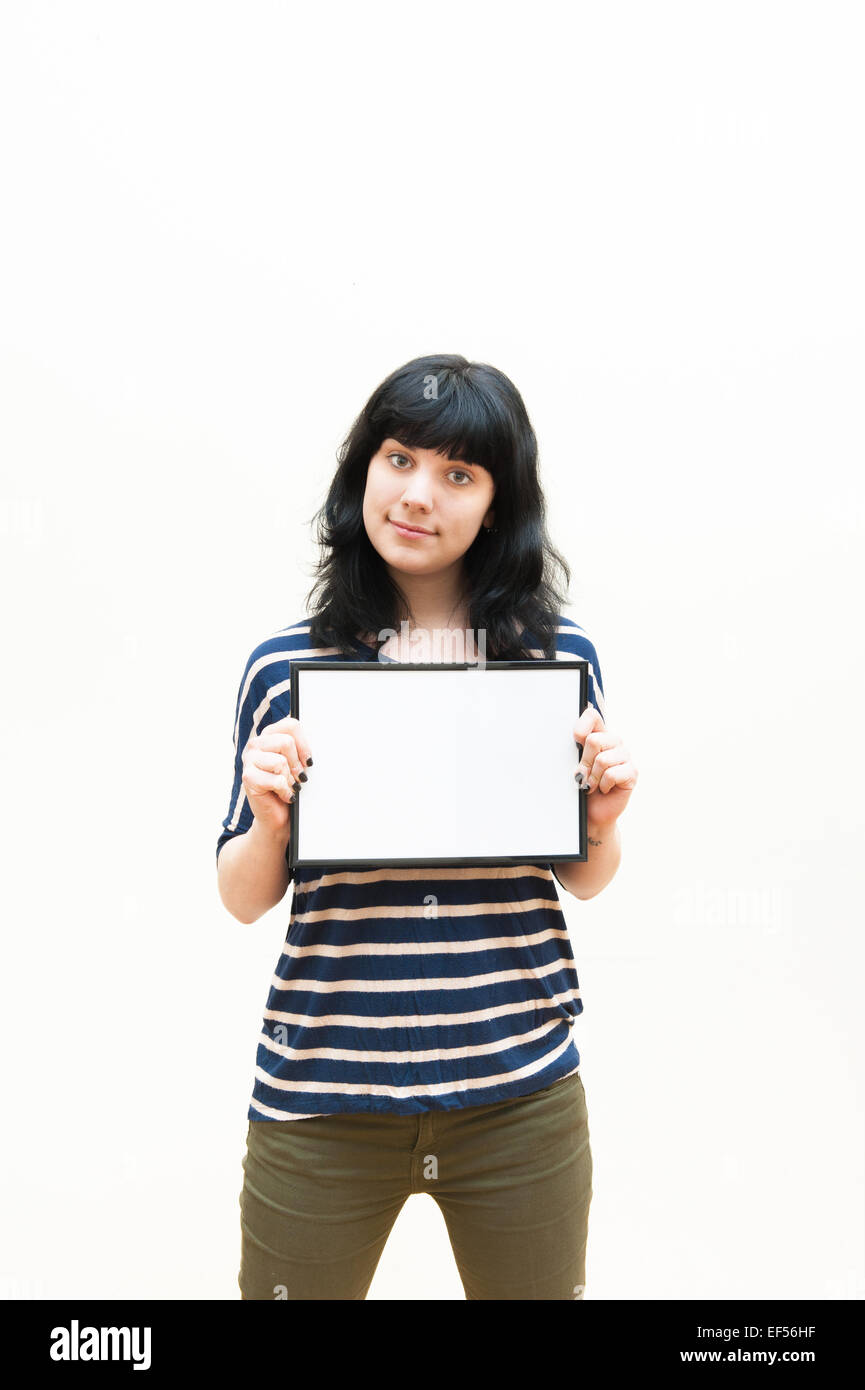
<point>607,769</point>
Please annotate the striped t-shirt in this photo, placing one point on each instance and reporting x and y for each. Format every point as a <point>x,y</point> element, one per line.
<point>380,1003</point>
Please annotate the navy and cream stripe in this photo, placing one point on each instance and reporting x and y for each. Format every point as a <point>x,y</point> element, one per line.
<point>383,1001</point>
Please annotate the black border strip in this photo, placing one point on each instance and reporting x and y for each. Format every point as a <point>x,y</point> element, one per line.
<point>297,667</point>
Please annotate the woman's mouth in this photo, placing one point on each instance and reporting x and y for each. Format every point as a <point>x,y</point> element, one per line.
<point>408,532</point>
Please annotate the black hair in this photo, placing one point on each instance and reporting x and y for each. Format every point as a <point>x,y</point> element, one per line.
<point>468,411</point>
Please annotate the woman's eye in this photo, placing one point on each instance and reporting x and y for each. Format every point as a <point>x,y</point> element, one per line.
<point>460,471</point>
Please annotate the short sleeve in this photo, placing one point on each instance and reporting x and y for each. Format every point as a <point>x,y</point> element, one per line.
<point>596,682</point>
<point>263,698</point>
<point>573,641</point>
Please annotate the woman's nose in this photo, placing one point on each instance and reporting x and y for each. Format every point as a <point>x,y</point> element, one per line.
<point>417,496</point>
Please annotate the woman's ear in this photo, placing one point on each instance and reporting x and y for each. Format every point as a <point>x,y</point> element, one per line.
<point>489,519</point>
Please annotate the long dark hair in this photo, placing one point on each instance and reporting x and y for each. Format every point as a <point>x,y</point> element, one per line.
<point>472,412</point>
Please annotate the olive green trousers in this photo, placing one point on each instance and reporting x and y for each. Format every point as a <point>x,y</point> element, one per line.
<point>513,1181</point>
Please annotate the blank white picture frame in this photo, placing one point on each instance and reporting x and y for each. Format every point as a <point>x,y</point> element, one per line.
<point>438,763</point>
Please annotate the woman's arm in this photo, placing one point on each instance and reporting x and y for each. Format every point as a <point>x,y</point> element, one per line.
<point>252,871</point>
<point>585,878</point>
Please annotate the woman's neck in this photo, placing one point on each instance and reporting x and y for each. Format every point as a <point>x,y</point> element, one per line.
<point>433,602</point>
<point>456,620</point>
<point>423,639</point>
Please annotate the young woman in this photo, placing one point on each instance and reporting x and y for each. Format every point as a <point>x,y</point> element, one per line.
<point>406,1048</point>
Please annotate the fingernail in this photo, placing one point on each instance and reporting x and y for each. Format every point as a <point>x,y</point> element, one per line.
<point>309,762</point>
<point>303,777</point>
<point>580,777</point>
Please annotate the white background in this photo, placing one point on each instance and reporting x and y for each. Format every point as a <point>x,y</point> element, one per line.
<point>223,225</point>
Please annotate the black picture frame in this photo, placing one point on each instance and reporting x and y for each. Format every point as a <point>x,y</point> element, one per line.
<point>377,669</point>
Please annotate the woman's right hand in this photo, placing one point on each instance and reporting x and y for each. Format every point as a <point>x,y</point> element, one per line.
<point>274,768</point>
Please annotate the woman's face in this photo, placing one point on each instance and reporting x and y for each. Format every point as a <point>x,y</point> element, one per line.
<point>420,488</point>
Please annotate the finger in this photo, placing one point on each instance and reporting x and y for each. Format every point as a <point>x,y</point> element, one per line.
<point>285,723</point>
<point>594,744</point>
<point>623,775</point>
<point>589,720</point>
<point>275,762</point>
<point>290,724</point>
<point>286,744</point>
<point>604,750</point>
<point>256,782</point>
<point>276,745</point>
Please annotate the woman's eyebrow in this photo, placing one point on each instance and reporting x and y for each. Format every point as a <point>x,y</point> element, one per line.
<point>462,463</point>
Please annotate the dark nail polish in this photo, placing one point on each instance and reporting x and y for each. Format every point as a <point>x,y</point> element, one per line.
<point>303,777</point>
<point>309,762</point>
<point>296,786</point>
